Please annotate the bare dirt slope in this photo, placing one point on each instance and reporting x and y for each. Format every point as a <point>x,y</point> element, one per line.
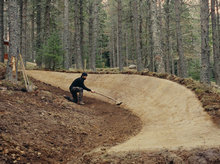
<point>43,127</point>
<point>172,116</point>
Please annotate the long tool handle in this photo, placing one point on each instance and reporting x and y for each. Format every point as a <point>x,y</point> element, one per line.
<point>106,96</point>
<point>24,73</point>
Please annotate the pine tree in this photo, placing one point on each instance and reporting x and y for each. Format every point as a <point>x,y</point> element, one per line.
<point>182,65</point>
<point>14,39</point>
<point>205,49</point>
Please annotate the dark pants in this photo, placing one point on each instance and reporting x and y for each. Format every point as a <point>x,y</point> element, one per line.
<point>74,92</point>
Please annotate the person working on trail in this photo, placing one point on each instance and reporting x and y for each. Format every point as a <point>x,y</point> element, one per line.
<point>78,86</point>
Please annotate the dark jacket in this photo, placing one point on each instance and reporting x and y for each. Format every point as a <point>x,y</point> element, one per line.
<point>79,82</point>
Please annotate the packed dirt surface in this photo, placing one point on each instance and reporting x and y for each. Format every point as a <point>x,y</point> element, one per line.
<point>172,116</point>
<point>43,127</point>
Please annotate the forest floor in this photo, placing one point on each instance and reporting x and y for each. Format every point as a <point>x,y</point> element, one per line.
<point>43,127</point>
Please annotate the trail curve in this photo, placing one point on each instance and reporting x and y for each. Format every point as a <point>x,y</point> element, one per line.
<point>172,116</point>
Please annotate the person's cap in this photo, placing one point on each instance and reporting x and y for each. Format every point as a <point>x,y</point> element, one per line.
<point>84,74</point>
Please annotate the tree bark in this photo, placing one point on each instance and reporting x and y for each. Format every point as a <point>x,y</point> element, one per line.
<point>117,59</point>
<point>161,64</point>
<point>33,32</point>
<point>95,35</point>
<point>133,56</point>
<point>205,49</point>
<point>150,35</point>
<point>81,22</point>
<point>126,49</point>
<point>1,31</point>
<point>47,20</point>
<point>141,28</point>
<point>137,35</point>
<point>78,57</point>
<point>182,65</point>
<point>157,50</point>
<point>24,32</point>
<point>66,34</point>
<point>90,32</point>
<point>218,21</point>
<point>120,35</point>
<point>14,42</point>
<point>215,39</point>
<point>111,52</point>
<point>38,34</point>
<point>115,47</point>
<point>21,25</point>
<point>167,22</point>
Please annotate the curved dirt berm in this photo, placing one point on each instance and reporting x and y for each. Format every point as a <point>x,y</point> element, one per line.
<point>172,115</point>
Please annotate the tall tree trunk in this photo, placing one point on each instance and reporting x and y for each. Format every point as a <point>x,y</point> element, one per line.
<point>141,28</point>
<point>159,63</point>
<point>205,49</point>
<point>215,39</point>
<point>218,21</point>
<point>172,58</point>
<point>133,56</point>
<point>46,29</point>
<point>33,32</point>
<point>90,32</point>
<point>38,34</point>
<point>114,61</point>
<point>66,34</point>
<point>1,31</point>
<point>78,57</point>
<point>167,21</point>
<point>21,25</point>
<point>95,35</point>
<point>150,34</point>
<point>137,35</point>
<point>182,65</point>
<point>120,35</point>
<point>126,49</point>
<point>81,22</point>
<point>111,52</point>
<point>115,47</point>
<point>24,32</point>
<point>14,39</point>
<point>47,20</point>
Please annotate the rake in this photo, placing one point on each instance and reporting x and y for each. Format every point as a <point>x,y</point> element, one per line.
<point>116,102</point>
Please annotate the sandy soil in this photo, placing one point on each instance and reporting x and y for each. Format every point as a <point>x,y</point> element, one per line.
<point>172,116</point>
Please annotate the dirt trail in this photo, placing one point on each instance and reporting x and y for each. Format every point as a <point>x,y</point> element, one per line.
<point>172,116</point>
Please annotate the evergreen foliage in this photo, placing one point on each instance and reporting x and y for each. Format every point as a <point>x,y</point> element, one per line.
<point>52,52</point>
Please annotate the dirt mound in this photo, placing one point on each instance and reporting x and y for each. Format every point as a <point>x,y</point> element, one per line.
<point>43,127</point>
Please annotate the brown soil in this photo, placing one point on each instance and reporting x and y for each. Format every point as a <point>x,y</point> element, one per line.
<point>43,127</point>
<point>195,156</point>
<point>172,115</point>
